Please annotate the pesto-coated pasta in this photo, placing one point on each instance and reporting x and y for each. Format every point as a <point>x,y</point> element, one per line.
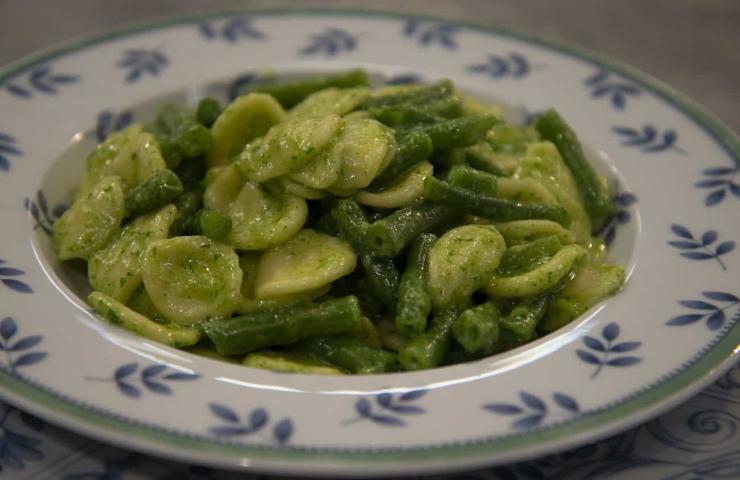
<point>326,226</point>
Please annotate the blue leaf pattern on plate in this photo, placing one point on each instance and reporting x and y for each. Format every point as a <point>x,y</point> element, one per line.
<point>331,42</point>
<point>240,83</point>
<point>601,353</point>
<point>603,85</point>
<point>18,352</point>
<point>41,79</point>
<point>109,122</point>
<point>254,423</point>
<point>712,313</point>
<point>153,378</point>
<point>403,79</point>
<point>622,216</point>
<point>721,182</point>
<point>388,409</point>
<point>139,62</point>
<point>699,249</point>
<point>8,277</point>
<point>43,217</point>
<point>512,65</point>
<point>8,148</point>
<point>533,410</point>
<point>428,33</point>
<point>648,139</point>
<point>231,30</point>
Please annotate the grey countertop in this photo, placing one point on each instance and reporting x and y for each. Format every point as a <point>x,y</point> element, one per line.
<point>691,45</point>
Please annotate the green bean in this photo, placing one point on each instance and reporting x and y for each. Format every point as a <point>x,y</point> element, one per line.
<point>476,159</point>
<point>381,273</point>
<point>413,148</point>
<point>288,362</point>
<point>428,349</point>
<point>290,93</point>
<point>211,223</point>
<point>402,115</point>
<point>351,354</point>
<point>169,149</point>
<point>477,329</point>
<point>181,134</point>
<point>458,132</point>
<point>493,208</point>
<point>421,96</point>
<point>283,326</point>
<point>208,111</point>
<point>594,193</point>
<point>472,179</point>
<point>154,192</point>
<point>518,327</point>
<point>187,203</point>
<point>387,237</point>
<point>191,172</point>
<point>414,301</point>
<point>524,258</point>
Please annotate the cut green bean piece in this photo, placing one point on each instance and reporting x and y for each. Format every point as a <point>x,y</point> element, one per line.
<point>526,257</point>
<point>477,329</point>
<point>518,327</point>
<point>476,157</point>
<point>283,326</point>
<point>208,111</point>
<point>351,354</point>
<point>381,273</point>
<point>489,207</point>
<point>289,93</point>
<point>187,204</point>
<point>402,115</point>
<point>191,172</point>
<point>155,192</point>
<point>472,179</point>
<point>416,96</point>
<point>414,300</point>
<point>458,132</point>
<point>387,237</point>
<point>210,223</point>
<point>428,349</point>
<point>413,148</point>
<point>592,188</point>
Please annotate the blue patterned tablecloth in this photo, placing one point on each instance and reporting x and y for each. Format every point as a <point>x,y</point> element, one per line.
<point>700,439</point>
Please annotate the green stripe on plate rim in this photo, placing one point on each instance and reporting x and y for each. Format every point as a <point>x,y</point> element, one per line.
<point>640,405</point>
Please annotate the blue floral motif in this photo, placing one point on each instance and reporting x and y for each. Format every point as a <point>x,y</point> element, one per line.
<point>721,180</point>
<point>692,245</point>
<point>108,122</point>
<point>231,30</point>
<point>240,83</point>
<point>603,85</point>
<point>254,423</point>
<point>13,283</point>
<point>331,42</point>
<point>403,79</point>
<point>153,378</point>
<point>7,148</point>
<point>390,408</point>
<point>713,314</point>
<point>17,449</point>
<point>17,352</point>
<point>138,62</point>
<point>533,410</point>
<point>731,380</point>
<point>602,353</point>
<point>41,80</point>
<point>42,216</point>
<point>648,139</point>
<point>622,202</point>
<point>512,65</point>
<point>428,33</point>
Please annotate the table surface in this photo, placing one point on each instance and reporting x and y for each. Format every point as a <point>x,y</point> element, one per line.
<point>690,45</point>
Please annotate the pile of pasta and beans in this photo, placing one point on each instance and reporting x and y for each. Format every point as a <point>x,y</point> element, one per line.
<point>324,226</point>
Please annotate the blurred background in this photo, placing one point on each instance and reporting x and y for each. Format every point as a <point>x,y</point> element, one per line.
<point>692,45</point>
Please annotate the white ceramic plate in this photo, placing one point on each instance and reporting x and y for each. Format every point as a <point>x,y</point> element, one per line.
<point>672,330</point>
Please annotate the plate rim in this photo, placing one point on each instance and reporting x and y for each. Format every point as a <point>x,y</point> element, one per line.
<point>718,357</point>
